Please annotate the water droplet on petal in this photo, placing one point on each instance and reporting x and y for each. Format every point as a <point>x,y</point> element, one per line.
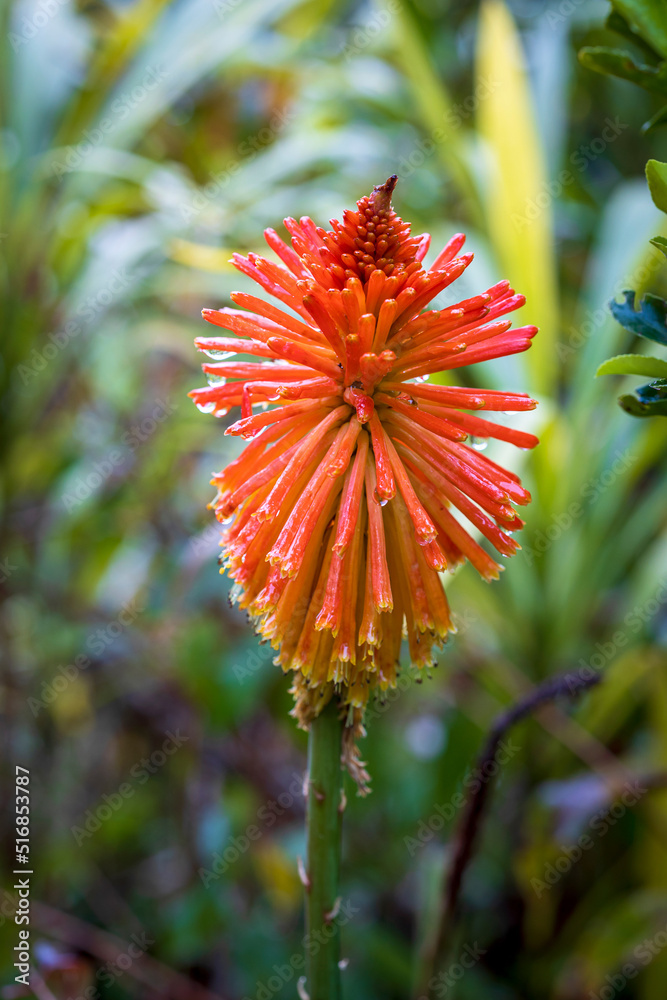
<point>381,501</point>
<point>220,355</point>
<point>215,380</point>
<point>206,407</point>
<point>479,444</point>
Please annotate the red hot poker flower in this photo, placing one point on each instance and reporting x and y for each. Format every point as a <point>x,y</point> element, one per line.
<point>341,505</point>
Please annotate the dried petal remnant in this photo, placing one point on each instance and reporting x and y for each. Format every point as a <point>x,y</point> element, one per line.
<point>352,494</point>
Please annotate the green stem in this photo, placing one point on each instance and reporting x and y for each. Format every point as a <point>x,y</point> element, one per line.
<point>324,819</point>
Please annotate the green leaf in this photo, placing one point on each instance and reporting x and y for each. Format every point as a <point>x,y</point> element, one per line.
<point>619,63</point>
<point>646,18</point>
<point>634,364</point>
<point>659,118</point>
<point>661,243</point>
<point>616,22</point>
<point>517,177</point>
<point>432,100</point>
<point>649,400</point>
<point>649,321</point>
<point>656,175</point>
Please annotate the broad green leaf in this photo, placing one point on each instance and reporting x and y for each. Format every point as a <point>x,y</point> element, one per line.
<point>648,401</point>
<point>634,408</point>
<point>656,175</point>
<point>650,320</point>
<point>622,258</point>
<point>655,392</point>
<point>661,243</point>
<point>634,364</point>
<point>647,18</point>
<point>517,198</point>
<point>616,22</point>
<point>616,62</point>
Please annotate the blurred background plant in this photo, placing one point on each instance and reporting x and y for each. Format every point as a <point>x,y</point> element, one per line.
<point>644,26</point>
<point>141,142</point>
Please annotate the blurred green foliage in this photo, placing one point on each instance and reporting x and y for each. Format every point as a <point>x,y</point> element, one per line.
<point>642,24</point>
<point>141,142</point>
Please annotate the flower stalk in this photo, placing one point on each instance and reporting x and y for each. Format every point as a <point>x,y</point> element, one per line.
<point>324,821</point>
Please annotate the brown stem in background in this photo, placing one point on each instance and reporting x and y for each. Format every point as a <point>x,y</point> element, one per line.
<point>569,685</point>
<point>106,947</point>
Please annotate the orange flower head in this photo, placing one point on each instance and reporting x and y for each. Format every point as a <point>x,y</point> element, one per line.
<point>346,505</point>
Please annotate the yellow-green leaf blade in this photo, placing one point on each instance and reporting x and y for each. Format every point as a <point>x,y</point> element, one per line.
<point>634,364</point>
<point>517,196</point>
